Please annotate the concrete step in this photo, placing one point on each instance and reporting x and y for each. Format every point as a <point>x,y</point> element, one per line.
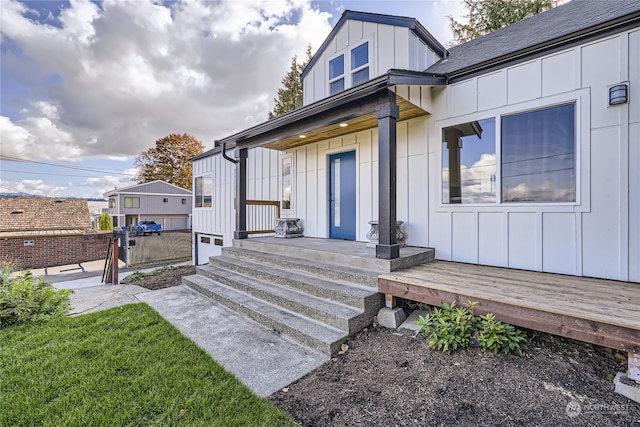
<point>331,271</point>
<point>340,316</point>
<point>337,252</point>
<point>314,335</point>
<point>365,299</point>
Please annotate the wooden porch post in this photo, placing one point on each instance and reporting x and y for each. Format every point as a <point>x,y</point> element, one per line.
<point>387,112</point>
<point>241,194</point>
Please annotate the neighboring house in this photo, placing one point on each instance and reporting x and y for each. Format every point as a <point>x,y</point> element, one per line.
<point>517,149</point>
<point>43,232</point>
<point>159,201</point>
<point>96,209</point>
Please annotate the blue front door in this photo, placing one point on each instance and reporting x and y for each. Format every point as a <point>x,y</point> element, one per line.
<point>342,196</point>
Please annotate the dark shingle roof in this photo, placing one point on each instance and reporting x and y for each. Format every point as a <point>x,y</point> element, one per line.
<point>554,24</point>
<point>31,214</point>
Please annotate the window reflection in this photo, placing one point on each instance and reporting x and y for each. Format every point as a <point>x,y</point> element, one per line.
<point>538,156</point>
<point>469,163</point>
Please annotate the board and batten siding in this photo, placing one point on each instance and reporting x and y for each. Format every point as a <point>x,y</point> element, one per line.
<point>598,236</point>
<point>311,185</point>
<point>389,47</point>
<point>262,184</point>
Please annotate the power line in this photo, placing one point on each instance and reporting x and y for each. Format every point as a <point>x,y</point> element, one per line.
<point>97,170</point>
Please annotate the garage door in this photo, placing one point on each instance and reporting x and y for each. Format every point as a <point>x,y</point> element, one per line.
<point>208,246</point>
<point>178,223</point>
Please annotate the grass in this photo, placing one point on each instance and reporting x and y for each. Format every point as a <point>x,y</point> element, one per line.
<point>122,367</point>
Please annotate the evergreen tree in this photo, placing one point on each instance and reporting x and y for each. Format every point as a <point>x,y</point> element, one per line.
<point>105,222</point>
<point>485,16</point>
<point>169,160</point>
<point>290,96</point>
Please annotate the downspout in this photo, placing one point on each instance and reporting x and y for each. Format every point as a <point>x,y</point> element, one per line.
<point>224,154</point>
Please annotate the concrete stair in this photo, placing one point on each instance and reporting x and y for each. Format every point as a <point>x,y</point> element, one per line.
<point>313,303</point>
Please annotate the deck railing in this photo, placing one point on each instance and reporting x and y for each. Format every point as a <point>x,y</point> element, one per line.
<point>262,215</point>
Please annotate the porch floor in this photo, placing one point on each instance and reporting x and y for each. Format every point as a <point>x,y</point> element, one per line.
<point>602,312</point>
<point>342,252</point>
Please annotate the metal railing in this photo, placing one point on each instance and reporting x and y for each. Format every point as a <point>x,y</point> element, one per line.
<point>262,216</point>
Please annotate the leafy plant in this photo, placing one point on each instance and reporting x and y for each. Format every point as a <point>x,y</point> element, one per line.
<point>25,299</point>
<point>451,328</point>
<point>500,337</point>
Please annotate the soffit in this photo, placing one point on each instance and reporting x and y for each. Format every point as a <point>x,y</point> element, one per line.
<point>355,124</point>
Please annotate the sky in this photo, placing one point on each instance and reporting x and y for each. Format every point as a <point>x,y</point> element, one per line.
<point>86,86</point>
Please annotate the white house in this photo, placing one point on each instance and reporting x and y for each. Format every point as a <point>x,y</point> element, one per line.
<point>517,149</point>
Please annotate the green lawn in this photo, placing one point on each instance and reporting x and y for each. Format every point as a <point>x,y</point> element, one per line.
<point>122,367</point>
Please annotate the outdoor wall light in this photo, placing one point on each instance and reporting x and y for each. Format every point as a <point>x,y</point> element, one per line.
<point>303,136</point>
<point>618,94</point>
<point>344,125</point>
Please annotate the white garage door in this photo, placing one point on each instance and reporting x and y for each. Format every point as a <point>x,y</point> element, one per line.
<point>178,223</point>
<point>208,245</point>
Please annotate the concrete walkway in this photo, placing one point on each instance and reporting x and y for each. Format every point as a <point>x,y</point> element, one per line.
<point>259,357</point>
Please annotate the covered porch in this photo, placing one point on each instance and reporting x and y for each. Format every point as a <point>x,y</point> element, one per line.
<point>373,105</point>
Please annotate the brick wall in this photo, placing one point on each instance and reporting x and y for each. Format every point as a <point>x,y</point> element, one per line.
<point>49,251</point>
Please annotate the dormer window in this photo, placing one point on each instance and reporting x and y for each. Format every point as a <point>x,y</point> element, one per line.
<point>360,64</point>
<point>336,75</point>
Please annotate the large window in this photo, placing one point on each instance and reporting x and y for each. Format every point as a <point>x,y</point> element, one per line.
<point>538,156</point>
<point>285,202</point>
<point>132,202</point>
<point>469,162</point>
<point>203,191</point>
<point>112,203</point>
<point>336,75</point>
<point>360,64</point>
<point>537,159</point>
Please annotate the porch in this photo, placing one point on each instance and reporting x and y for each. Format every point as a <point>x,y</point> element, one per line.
<point>602,312</point>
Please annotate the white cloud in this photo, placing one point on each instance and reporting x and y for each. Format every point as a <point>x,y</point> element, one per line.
<point>120,76</point>
<point>36,187</point>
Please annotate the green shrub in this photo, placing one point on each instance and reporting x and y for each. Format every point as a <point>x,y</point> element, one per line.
<point>499,336</point>
<point>449,328</point>
<point>105,222</point>
<point>25,299</point>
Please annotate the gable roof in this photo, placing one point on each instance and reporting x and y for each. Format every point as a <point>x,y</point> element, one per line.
<point>398,21</point>
<point>43,214</point>
<point>154,187</point>
<point>562,25</point>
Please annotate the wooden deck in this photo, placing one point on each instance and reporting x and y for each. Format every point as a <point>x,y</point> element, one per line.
<point>601,312</point>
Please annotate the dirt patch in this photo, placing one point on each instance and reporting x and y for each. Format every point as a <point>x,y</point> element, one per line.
<point>161,278</point>
<point>390,378</point>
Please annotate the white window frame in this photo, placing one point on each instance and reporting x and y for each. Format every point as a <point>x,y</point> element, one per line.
<point>362,67</point>
<point>347,71</point>
<point>582,155</point>
<point>342,76</point>
<point>195,194</point>
<point>283,157</point>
